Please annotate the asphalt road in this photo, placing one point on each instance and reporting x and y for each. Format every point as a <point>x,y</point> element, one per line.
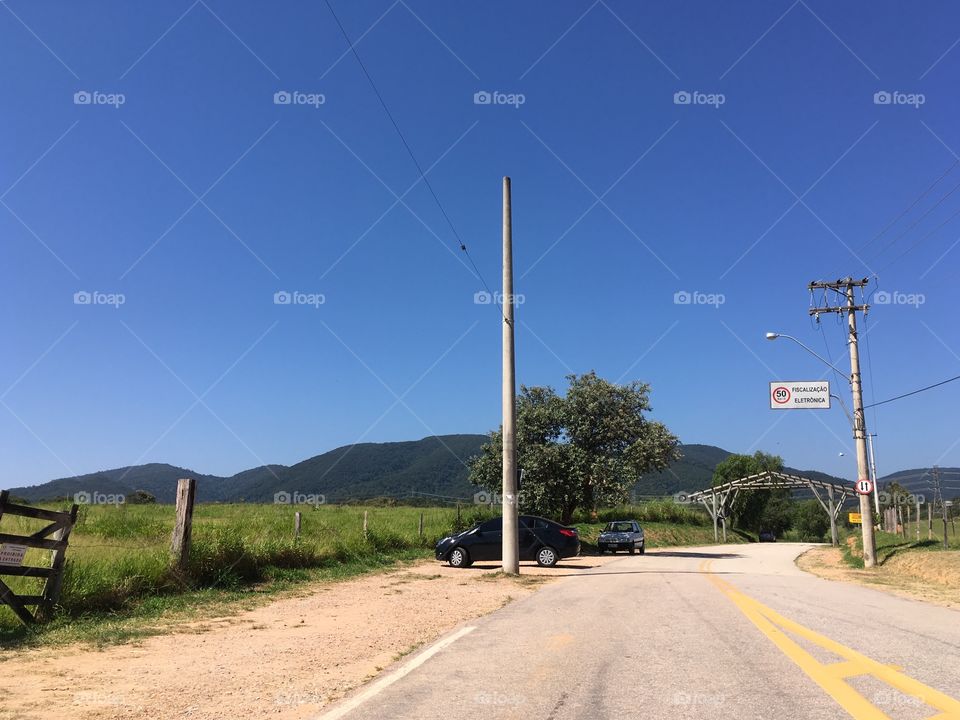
<point>731,631</point>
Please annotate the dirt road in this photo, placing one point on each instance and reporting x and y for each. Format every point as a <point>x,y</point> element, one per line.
<point>284,660</point>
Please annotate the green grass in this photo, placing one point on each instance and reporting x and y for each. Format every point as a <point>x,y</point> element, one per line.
<point>889,544</point>
<point>118,582</point>
<point>118,562</point>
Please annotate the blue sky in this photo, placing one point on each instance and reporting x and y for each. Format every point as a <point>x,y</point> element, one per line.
<point>184,190</point>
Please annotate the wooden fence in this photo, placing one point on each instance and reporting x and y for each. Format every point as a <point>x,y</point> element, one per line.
<point>13,548</point>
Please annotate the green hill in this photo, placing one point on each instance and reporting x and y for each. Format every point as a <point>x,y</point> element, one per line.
<point>409,471</point>
<point>433,465</point>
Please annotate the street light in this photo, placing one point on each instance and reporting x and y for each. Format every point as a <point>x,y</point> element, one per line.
<point>774,336</point>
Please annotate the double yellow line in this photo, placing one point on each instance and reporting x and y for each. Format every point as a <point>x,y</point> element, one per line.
<point>832,676</point>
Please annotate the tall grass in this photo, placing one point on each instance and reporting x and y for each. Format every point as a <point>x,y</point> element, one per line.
<point>119,555</point>
<point>656,511</point>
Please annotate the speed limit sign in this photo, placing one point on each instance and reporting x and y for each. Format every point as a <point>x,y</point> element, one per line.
<point>864,487</point>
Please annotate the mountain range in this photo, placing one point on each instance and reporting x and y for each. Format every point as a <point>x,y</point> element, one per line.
<point>429,470</point>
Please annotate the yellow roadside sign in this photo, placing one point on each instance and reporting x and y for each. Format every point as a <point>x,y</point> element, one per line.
<point>855,518</point>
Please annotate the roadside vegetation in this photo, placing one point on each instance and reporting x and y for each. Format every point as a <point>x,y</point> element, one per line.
<point>118,560</point>
<point>920,569</point>
<point>118,580</point>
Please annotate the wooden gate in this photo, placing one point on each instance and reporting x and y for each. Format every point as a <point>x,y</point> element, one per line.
<point>13,547</point>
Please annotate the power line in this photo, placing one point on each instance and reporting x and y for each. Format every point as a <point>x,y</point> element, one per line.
<point>923,389</point>
<point>914,246</point>
<point>866,339</point>
<point>912,205</point>
<point>406,145</point>
<point>917,221</point>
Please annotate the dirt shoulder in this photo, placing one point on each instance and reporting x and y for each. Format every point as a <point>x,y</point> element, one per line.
<point>919,575</point>
<point>284,660</point>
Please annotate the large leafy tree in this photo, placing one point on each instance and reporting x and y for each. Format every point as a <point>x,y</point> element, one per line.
<point>581,450</point>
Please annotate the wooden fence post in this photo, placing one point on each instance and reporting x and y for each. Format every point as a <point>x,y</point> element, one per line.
<point>51,590</point>
<point>296,525</point>
<point>420,533</point>
<point>182,529</point>
<point>929,521</point>
<point>364,524</point>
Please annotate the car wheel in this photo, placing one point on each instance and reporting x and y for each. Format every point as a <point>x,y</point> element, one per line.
<point>547,556</point>
<point>600,551</point>
<point>643,549</point>
<point>632,550</point>
<point>459,558</point>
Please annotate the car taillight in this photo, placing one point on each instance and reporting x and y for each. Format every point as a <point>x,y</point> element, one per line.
<point>568,533</point>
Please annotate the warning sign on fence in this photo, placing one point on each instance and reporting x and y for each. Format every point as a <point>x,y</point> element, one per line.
<point>11,554</point>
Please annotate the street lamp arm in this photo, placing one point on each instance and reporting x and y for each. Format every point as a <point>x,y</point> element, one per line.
<point>774,336</point>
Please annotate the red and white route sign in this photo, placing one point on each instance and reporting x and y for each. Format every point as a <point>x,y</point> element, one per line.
<point>864,487</point>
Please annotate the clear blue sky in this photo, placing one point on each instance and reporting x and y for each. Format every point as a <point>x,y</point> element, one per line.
<point>198,198</point>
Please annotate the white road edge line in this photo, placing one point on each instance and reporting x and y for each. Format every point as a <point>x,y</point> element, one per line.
<point>388,680</point>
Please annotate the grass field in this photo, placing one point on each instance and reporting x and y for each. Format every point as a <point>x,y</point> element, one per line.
<point>917,569</point>
<point>889,544</point>
<point>118,561</point>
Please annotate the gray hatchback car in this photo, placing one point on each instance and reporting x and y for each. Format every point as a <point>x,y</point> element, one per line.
<point>621,535</point>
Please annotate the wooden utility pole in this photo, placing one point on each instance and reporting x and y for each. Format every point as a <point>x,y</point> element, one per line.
<point>511,547</point>
<point>183,527</point>
<point>845,288</point>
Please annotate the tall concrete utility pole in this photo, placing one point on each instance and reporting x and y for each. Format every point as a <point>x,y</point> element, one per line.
<point>511,547</point>
<point>845,288</point>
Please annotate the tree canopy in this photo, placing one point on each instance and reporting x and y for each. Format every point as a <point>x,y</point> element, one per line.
<point>581,450</point>
<point>754,508</point>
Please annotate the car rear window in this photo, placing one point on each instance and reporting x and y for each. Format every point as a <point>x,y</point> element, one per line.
<point>492,525</point>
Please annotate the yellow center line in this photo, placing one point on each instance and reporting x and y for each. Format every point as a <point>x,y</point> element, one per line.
<point>831,676</point>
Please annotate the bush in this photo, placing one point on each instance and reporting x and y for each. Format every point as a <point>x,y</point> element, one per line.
<point>810,521</point>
